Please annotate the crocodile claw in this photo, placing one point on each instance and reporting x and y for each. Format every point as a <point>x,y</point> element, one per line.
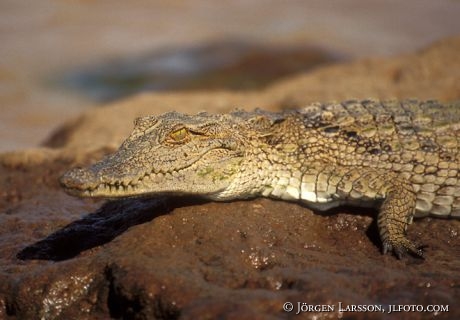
<point>402,248</point>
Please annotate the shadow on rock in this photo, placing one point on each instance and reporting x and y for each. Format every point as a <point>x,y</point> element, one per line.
<point>98,228</point>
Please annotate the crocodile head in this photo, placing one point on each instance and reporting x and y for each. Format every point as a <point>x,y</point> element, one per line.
<point>172,153</point>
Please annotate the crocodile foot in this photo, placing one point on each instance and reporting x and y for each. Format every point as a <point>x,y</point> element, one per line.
<point>402,247</point>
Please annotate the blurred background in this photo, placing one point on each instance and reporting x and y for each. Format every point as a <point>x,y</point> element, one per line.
<point>58,58</point>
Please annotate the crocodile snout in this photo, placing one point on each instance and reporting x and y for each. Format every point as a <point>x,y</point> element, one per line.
<point>79,179</point>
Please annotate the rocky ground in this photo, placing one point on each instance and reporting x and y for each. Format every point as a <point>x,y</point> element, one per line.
<point>164,258</point>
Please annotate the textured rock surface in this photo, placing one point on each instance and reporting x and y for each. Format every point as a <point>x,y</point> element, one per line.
<point>63,257</point>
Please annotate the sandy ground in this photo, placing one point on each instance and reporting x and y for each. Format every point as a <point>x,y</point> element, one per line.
<point>42,42</point>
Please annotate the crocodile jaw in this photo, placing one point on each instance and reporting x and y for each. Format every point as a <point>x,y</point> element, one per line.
<point>202,177</point>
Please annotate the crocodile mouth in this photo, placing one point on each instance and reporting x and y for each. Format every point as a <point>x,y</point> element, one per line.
<point>116,188</point>
<point>87,182</point>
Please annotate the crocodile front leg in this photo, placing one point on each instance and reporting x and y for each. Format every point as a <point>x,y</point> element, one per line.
<point>326,186</point>
<point>395,215</point>
<point>396,211</point>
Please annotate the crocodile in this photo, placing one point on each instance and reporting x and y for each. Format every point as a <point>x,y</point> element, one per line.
<point>400,157</point>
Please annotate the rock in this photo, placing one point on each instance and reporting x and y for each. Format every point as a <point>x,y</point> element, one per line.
<point>165,258</point>
<point>429,74</point>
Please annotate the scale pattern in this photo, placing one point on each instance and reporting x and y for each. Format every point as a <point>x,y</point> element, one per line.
<point>401,157</point>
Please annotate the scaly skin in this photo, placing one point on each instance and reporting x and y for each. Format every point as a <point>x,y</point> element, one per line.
<point>401,157</point>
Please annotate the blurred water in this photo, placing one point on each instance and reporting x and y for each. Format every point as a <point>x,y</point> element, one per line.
<point>231,65</point>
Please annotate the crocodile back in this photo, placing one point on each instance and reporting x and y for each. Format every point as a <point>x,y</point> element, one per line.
<point>418,140</point>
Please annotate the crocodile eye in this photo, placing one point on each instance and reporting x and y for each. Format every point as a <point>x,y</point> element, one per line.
<point>179,135</point>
